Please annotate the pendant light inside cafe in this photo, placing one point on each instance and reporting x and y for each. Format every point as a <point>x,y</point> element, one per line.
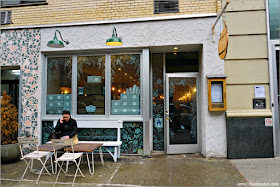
<point>114,40</point>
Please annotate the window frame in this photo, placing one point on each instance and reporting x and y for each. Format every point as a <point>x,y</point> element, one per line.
<point>74,87</point>
<point>45,84</point>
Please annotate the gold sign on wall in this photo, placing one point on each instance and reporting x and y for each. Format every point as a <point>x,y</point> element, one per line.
<point>223,42</point>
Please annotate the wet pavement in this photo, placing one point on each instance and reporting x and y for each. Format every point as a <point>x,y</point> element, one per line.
<point>159,170</point>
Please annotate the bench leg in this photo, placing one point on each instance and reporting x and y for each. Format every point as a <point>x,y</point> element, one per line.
<point>119,151</point>
<point>115,154</point>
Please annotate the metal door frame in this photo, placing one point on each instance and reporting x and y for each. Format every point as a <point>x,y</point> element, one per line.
<point>181,148</point>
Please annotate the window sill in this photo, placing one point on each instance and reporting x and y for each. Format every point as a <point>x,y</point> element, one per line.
<point>168,12</point>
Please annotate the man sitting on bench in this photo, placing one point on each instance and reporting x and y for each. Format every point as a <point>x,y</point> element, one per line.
<point>66,128</point>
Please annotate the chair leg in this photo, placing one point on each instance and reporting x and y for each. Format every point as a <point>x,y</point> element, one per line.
<point>43,167</point>
<point>62,168</point>
<point>31,168</point>
<point>58,172</point>
<point>28,166</point>
<point>78,169</point>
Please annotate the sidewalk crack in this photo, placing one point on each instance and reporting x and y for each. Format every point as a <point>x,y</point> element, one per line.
<point>115,172</point>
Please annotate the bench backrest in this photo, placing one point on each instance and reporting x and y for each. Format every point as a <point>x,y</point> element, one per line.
<point>100,124</point>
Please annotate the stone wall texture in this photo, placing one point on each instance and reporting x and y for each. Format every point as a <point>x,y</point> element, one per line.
<point>22,48</point>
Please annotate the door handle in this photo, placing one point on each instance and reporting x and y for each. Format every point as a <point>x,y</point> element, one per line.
<point>167,116</point>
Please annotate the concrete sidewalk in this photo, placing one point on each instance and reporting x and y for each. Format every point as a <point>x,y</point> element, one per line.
<point>259,171</point>
<point>159,170</point>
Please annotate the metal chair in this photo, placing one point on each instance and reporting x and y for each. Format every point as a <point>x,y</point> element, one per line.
<point>35,155</point>
<point>67,157</point>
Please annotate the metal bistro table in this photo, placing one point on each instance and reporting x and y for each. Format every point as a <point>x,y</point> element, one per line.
<point>87,148</point>
<point>49,148</point>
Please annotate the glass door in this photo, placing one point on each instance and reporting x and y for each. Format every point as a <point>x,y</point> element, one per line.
<point>181,113</point>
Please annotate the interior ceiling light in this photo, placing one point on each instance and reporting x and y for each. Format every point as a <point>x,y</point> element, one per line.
<point>114,40</point>
<point>55,43</point>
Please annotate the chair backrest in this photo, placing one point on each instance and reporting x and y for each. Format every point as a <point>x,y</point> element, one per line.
<point>63,142</point>
<point>29,141</point>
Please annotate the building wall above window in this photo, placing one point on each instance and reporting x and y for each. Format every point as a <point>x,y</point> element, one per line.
<point>54,11</point>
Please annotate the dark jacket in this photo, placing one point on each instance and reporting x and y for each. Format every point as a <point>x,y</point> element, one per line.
<point>67,128</point>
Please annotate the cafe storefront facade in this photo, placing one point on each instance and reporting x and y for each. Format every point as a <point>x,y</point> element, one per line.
<point>155,82</point>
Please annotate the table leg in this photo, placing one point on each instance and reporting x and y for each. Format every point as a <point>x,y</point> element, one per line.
<point>51,153</point>
<point>54,168</point>
<point>101,155</point>
<point>92,162</point>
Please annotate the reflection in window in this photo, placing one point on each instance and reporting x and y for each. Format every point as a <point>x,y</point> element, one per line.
<point>125,84</point>
<point>182,110</point>
<point>91,85</point>
<point>10,82</point>
<point>59,75</point>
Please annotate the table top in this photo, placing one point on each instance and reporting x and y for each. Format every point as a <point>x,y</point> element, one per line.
<point>84,147</point>
<point>48,147</point>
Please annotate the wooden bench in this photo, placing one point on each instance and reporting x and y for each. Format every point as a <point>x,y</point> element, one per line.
<point>104,124</point>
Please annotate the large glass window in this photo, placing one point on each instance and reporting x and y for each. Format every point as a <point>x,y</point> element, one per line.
<point>90,90</point>
<point>91,85</point>
<point>274,18</point>
<point>59,76</point>
<point>125,84</point>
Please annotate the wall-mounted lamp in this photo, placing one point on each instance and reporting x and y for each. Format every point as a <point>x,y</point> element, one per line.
<point>55,43</point>
<point>114,40</point>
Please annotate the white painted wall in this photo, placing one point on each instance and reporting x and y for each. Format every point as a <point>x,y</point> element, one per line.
<point>160,33</point>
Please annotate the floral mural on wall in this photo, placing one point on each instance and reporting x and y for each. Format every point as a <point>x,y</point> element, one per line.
<point>158,103</point>
<point>22,48</point>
